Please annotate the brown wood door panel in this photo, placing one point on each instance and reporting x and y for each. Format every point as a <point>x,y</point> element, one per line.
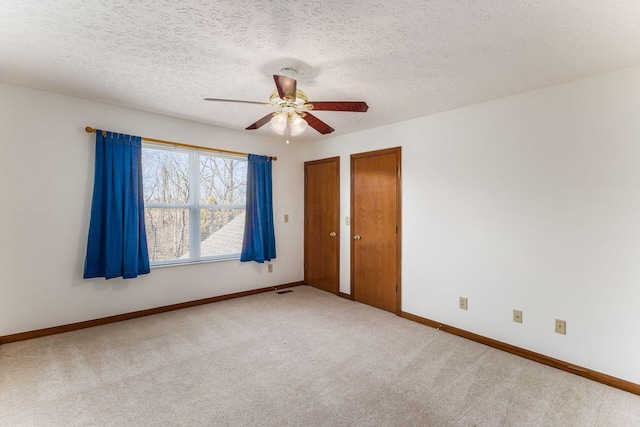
<point>322,219</point>
<point>375,222</point>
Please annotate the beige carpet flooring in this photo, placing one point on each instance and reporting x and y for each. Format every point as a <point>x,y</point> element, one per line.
<point>305,358</point>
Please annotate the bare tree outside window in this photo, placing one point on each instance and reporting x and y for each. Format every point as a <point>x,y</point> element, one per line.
<point>222,183</point>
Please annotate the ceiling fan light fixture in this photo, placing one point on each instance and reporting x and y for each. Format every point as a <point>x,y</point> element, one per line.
<point>278,123</point>
<point>298,124</point>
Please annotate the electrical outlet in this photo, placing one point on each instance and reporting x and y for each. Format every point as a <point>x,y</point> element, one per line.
<point>561,327</point>
<point>517,316</point>
<point>347,220</point>
<point>270,268</point>
<point>286,217</point>
<point>463,303</point>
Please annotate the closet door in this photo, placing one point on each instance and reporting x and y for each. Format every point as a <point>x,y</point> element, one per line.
<point>375,228</point>
<point>321,224</point>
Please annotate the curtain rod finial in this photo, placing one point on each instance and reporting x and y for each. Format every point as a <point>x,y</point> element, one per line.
<point>89,129</point>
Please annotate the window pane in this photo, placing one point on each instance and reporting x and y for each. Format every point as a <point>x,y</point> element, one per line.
<point>165,176</point>
<point>221,232</point>
<point>222,180</point>
<point>167,233</point>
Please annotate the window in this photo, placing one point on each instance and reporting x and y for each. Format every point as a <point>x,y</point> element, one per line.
<point>194,204</point>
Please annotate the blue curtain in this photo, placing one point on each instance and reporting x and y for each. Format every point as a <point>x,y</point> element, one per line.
<point>117,244</point>
<point>259,243</point>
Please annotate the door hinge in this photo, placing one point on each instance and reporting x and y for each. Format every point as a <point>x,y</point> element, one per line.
<point>306,266</point>
<point>396,229</point>
<point>396,288</point>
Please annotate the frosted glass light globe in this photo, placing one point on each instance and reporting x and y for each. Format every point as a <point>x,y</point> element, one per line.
<point>298,124</point>
<point>279,123</point>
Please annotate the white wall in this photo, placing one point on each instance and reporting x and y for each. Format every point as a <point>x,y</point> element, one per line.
<point>530,202</point>
<point>46,181</point>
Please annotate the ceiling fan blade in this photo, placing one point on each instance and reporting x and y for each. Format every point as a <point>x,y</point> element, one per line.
<point>263,121</point>
<point>286,87</point>
<point>318,124</point>
<point>359,107</point>
<point>235,100</point>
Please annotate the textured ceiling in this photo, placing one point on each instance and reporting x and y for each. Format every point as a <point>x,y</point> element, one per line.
<point>405,58</point>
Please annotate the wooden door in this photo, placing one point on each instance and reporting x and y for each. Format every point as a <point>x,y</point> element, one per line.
<point>322,220</point>
<point>375,228</point>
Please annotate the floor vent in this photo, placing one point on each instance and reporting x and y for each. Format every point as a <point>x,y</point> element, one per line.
<point>284,292</point>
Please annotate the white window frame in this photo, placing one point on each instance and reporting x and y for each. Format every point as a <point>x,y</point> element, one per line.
<point>194,206</point>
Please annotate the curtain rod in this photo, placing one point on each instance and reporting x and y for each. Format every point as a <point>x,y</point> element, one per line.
<point>89,129</point>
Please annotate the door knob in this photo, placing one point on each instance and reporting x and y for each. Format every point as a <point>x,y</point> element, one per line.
<point>356,237</point>
<point>332,234</point>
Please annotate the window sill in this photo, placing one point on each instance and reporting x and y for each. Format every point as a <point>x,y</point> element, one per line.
<point>204,261</point>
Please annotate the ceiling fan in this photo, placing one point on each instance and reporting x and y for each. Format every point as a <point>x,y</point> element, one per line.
<point>293,116</point>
